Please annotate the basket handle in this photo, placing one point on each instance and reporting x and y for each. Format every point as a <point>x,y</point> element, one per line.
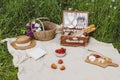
<point>41,23</point>
<point>41,18</point>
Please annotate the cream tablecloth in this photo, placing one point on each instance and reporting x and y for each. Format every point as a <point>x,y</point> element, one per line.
<point>76,67</point>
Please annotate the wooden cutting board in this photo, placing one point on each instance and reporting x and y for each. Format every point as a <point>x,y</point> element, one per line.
<point>100,60</point>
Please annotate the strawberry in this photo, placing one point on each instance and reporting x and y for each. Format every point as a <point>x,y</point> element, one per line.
<point>97,56</point>
<point>60,51</point>
<point>56,51</point>
<point>63,49</point>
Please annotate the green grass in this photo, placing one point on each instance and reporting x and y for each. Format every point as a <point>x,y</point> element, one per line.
<point>14,14</point>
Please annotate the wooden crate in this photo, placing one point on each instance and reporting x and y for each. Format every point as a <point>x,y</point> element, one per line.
<point>72,31</point>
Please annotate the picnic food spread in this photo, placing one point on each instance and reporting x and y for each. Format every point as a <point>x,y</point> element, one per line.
<point>75,32</point>
<point>65,60</point>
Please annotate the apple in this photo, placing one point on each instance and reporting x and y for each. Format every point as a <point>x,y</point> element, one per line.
<point>62,67</point>
<point>60,61</point>
<point>53,66</point>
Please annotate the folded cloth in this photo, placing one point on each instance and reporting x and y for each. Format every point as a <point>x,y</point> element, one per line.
<point>35,52</point>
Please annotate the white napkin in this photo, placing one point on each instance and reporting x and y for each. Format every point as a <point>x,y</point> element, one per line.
<point>36,52</point>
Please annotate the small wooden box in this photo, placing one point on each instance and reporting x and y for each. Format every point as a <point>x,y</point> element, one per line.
<point>73,24</point>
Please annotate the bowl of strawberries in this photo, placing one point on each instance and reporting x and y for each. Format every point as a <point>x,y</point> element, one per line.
<point>60,52</point>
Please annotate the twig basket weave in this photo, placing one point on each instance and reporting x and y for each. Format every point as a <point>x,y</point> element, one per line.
<point>48,32</point>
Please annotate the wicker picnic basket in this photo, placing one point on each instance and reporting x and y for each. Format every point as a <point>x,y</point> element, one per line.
<point>75,30</point>
<point>48,32</point>
<point>68,36</point>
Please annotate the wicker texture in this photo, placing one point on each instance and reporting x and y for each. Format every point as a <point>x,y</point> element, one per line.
<point>48,33</point>
<point>82,41</point>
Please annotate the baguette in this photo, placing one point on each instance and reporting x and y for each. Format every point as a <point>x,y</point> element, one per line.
<point>89,29</point>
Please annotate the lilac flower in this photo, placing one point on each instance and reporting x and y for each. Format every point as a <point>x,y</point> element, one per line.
<point>33,26</point>
<point>29,33</point>
<point>30,26</point>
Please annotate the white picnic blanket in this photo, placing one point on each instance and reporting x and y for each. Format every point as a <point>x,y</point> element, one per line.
<point>76,67</point>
